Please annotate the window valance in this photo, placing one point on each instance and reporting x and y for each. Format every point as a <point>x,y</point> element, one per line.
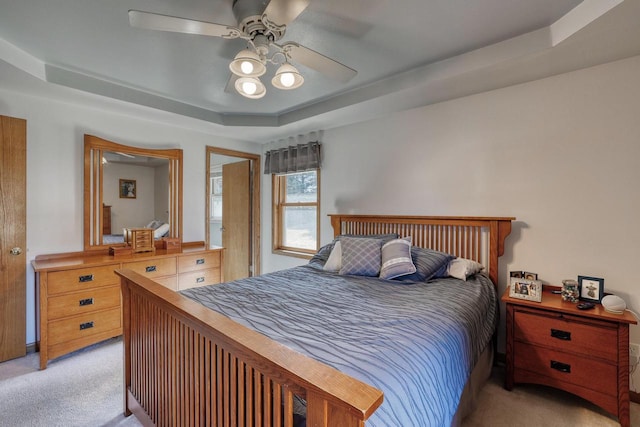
<point>295,158</point>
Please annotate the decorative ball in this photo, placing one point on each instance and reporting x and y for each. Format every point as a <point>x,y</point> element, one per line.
<point>614,304</point>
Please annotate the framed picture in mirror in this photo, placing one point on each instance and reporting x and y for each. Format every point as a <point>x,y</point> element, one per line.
<point>127,188</point>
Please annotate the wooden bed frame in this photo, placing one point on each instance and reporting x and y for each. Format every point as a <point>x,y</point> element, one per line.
<point>187,365</point>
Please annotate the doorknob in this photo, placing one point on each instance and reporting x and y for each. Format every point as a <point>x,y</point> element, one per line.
<point>222,229</point>
<point>15,251</point>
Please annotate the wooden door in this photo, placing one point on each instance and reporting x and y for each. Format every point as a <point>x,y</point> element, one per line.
<point>13,241</point>
<point>236,219</point>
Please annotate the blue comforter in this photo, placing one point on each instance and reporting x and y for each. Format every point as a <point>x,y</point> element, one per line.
<point>416,342</point>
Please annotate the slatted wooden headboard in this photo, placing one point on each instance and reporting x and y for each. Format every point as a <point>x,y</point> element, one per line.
<point>478,238</point>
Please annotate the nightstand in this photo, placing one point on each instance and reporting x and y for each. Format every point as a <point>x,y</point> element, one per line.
<point>584,352</point>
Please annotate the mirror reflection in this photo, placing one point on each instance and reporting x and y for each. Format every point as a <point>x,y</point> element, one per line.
<point>135,193</point>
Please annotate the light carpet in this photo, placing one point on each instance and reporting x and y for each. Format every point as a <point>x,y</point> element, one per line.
<point>84,389</point>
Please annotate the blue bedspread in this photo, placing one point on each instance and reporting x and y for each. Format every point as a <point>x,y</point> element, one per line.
<point>416,342</point>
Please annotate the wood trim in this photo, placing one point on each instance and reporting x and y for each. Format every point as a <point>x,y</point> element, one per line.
<point>278,191</point>
<point>256,167</point>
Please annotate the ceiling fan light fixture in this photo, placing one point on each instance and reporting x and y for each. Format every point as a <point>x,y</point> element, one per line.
<point>250,87</point>
<point>287,77</point>
<point>247,64</point>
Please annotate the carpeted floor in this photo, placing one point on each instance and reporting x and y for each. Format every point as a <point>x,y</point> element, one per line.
<point>529,405</point>
<point>84,389</point>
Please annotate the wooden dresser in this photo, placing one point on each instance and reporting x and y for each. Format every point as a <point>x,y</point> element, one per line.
<point>79,294</point>
<point>584,352</point>
<point>106,219</point>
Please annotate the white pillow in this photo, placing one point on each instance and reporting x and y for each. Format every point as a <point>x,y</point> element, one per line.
<point>161,231</point>
<point>334,262</point>
<point>461,268</point>
<point>154,224</point>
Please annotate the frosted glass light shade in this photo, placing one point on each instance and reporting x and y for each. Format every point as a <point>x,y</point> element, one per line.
<point>287,77</point>
<point>247,64</point>
<point>250,87</point>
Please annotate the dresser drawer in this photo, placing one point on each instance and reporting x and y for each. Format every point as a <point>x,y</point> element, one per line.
<point>196,262</point>
<point>153,267</point>
<point>84,325</point>
<point>199,278</point>
<point>564,367</point>
<point>170,282</point>
<point>597,339</point>
<point>75,303</point>
<point>81,279</point>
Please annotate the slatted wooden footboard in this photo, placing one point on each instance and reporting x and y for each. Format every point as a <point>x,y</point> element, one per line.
<point>186,365</point>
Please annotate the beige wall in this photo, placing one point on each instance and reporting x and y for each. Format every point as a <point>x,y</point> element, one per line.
<point>55,132</point>
<point>560,154</point>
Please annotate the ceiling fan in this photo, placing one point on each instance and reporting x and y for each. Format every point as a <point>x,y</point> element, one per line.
<point>262,23</point>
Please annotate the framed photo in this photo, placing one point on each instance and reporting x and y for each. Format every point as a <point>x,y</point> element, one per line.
<point>127,189</point>
<point>524,275</point>
<point>527,289</point>
<point>591,288</point>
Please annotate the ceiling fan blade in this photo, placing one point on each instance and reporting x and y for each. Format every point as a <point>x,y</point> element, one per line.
<point>318,62</point>
<point>282,12</point>
<point>154,21</point>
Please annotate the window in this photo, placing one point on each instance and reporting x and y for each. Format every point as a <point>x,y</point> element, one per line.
<point>216,197</point>
<point>296,209</point>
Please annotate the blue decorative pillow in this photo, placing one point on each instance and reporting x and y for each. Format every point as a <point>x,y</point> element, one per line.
<point>396,259</point>
<point>360,256</point>
<point>320,258</point>
<point>334,261</point>
<point>429,264</point>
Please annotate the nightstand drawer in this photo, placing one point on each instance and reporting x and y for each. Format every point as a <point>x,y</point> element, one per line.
<point>597,339</point>
<point>197,262</point>
<point>564,367</point>
<point>83,302</point>
<point>153,267</point>
<point>81,279</point>
<point>73,328</point>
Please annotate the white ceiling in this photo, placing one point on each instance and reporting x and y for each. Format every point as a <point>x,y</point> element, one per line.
<point>407,53</point>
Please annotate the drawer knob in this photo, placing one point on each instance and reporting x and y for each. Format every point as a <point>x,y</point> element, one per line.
<point>562,367</point>
<point>86,325</point>
<point>200,261</point>
<point>150,269</point>
<point>87,278</point>
<point>200,280</point>
<point>561,335</point>
<point>86,301</point>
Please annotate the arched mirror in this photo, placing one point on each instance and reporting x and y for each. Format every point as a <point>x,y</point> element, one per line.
<point>129,187</point>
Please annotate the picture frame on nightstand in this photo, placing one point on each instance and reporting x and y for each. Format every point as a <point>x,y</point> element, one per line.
<point>526,289</point>
<point>591,288</point>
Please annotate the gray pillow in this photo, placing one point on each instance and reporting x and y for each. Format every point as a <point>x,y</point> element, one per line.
<point>360,256</point>
<point>396,259</point>
<point>429,264</point>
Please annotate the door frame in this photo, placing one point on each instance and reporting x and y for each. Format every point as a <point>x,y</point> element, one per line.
<point>255,200</point>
